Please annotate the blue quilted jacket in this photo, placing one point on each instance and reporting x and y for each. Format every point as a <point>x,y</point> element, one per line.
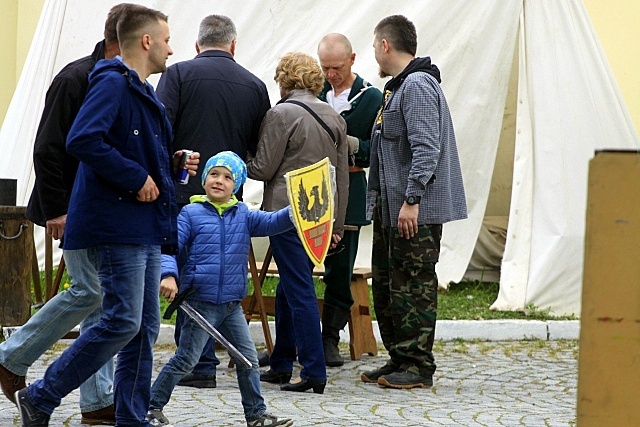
<point>213,249</point>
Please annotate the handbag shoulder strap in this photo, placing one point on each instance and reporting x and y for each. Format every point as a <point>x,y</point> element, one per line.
<point>315,116</point>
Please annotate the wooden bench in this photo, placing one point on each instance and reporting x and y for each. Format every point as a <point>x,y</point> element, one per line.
<point>361,335</point>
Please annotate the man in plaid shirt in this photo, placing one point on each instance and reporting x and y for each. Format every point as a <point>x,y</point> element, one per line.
<point>415,186</point>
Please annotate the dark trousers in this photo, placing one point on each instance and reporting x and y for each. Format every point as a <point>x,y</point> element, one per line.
<point>338,270</point>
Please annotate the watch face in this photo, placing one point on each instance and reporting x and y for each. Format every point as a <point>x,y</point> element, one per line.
<point>412,200</point>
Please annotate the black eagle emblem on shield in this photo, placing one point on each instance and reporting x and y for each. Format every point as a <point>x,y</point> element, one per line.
<point>320,204</point>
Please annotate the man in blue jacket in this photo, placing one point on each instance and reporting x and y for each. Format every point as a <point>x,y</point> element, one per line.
<point>81,303</point>
<point>123,211</point>
<point>214,104</point>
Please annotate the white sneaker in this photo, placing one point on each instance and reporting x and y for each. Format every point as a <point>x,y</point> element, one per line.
<point>156,418</point>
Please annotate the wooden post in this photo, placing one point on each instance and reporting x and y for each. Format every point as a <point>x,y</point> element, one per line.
<point>609,360</point>
<point>16,253</point>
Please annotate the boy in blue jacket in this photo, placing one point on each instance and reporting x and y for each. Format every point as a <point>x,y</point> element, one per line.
<point>214,234</point>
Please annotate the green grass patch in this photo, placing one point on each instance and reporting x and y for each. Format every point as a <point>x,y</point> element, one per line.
<point>470,300</point>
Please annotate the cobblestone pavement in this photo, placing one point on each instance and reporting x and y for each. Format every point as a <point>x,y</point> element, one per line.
<point>521,383</point>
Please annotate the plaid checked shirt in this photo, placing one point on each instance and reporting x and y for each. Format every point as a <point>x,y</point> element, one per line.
<point>416,154</point>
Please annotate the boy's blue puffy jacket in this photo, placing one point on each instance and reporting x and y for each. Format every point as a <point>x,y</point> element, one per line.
<point>213,249</point>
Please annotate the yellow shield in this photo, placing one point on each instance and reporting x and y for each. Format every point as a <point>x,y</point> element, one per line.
<point>310,191</point>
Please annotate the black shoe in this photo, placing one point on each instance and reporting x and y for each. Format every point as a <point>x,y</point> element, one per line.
<point>372,376</point>
<point>304,385</point>
<point>198,381</point>
<point>405,379</point>
<point>332,356</point>
<point>29,414</point>
<point>275,377</point>
<point>263,359</point>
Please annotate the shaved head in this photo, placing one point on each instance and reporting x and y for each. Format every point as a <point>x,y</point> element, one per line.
<point>335,43</point>
<point>336,58</point>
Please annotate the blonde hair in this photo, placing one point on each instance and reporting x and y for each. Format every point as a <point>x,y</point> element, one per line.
<point>297,70</point>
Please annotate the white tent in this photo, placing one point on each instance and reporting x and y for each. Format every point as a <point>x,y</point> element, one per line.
<point>568,105</point>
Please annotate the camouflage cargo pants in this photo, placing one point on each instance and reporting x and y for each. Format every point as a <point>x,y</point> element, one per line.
<point>405,292</point>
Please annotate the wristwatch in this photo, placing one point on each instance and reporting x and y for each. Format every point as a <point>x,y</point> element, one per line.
<point>412,200</point>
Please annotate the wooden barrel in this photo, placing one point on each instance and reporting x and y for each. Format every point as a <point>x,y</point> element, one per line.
<point>16,256</point>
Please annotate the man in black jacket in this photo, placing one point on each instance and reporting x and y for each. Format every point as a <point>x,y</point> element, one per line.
<point>55,173</point>
<point>214,105</point>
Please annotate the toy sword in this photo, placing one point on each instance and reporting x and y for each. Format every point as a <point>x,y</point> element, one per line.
<point>179,301</point>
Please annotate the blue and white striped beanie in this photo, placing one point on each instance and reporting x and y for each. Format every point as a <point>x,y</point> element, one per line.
<point>231,161</point>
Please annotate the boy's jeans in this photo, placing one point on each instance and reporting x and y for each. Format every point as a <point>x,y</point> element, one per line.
<point>208,362</point>
<point>130,279</point>
<point>80,303</point>
<point>229,319</point>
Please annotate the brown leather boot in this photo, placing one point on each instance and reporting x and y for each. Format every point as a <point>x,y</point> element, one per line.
<point>10,383</point>
<point>104,416</point>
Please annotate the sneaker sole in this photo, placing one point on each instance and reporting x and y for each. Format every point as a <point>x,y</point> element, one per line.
<point>287,423</point>
<point>366,379</point>
<point>16,401</point>
<point>383,382</point>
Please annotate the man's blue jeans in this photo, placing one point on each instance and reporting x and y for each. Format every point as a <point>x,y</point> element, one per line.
<point>229,319</point>
<point>130,280</point>
<point>80,303</point>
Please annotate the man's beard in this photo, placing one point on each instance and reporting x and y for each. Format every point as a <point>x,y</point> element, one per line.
<point>158,63</point>
<point>382,73</point>
<point>159,68</point>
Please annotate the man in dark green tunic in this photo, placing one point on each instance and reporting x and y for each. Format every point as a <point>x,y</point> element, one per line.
<point>358,102</point>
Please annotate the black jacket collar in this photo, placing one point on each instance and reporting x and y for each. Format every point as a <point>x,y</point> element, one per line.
<point>417,64</point>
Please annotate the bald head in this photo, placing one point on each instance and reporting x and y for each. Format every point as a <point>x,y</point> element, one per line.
<point>335,44</point>
<point>336,58</point>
